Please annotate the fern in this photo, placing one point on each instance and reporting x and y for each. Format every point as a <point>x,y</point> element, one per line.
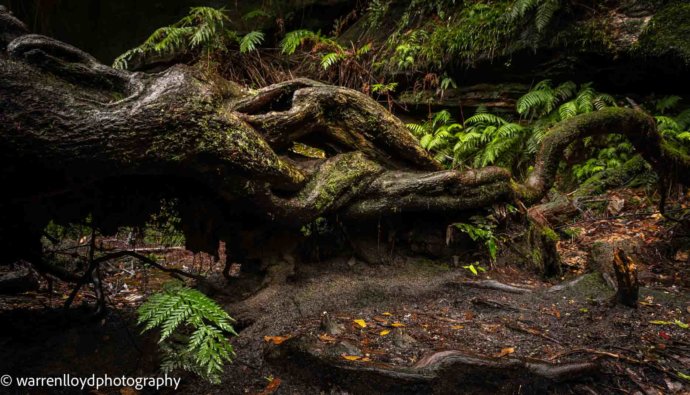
<point>330,59</point>
<point>667,103</point>
<point>544,11</point>
<point>295,39</point>
<point>203,28</point>
<point>537,102</point>
<point>251,41</point>
<point>254,14</point>
<point>179,310</point>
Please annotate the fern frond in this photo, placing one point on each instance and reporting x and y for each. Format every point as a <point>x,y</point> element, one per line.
<point>485,118</point>
<point>536,102</point>
<point>667,103</point>
<point>567,110</point>
<point>417,129</point>
<point>585,98</point>
<point>565,90</point>
<point>257,13</point>
<point>667,123</point>
<point>251,41</point>
<point>364,49</point>
<point>603,100</point>
<point>683,119</point>
<point>442,117</point>
<point>545,13</point>
<point>330,59</point>
<point>294,40</point>
<point>521,7</point>
<point>207,349</point>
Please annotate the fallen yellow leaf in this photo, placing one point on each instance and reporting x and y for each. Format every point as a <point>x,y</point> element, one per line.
<point>366,359</point>
<point>351,357</point>
<point>505,351</point>
<point>361,323</point>
<point>276,339</point>
<point>384,332</point>
<point>387,313</point>
<point>397,325</point>
<point>326,338</point>
<point>457,327</point>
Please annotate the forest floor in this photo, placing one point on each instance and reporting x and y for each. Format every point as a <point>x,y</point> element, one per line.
<point>343,324</point>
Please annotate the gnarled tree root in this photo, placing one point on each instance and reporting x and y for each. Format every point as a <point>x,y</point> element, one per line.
<point>442,372</point>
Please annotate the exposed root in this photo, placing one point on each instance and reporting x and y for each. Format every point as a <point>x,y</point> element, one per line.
<point>497,286</point>
<point>442,372</point>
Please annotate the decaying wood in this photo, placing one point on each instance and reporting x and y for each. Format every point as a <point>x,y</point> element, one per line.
<point>628,287</point>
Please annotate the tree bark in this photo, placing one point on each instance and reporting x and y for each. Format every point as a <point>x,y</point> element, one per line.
<point>80,138</point>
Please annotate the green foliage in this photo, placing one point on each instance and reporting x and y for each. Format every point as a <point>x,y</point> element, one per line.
<point>192,330</point>
<point>384,88</point>
<point>474,268</point>
<point>297,38</point>
<point>488,139</point>
<point>543,100</point>
<point>543,11</point>
<point>203,28</point>
<point>251,41</point>
<point>481,230</point>
<point>675,129</point>
<point>611,152</point>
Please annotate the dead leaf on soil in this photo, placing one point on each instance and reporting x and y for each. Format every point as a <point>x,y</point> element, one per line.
<point>397,325</point>
<point>271,387</point>
<point>351,357</point>
<point>384,332</point>
<point>456,327</point>
<point>505,351</point>
<point>387,314</point>
<point>276,339</point>
<point>325,338</point>
<point>361,323</point>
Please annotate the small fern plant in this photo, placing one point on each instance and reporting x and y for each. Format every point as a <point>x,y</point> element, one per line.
<point>542,11</point>
<point>193,330</point>
<point>674,128</point>
<point>489,139</point>
<point>203,29</point>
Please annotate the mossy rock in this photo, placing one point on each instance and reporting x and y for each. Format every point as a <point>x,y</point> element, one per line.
<point>668,33</point>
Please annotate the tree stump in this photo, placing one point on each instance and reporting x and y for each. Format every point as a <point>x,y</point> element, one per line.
<point>626,278</point>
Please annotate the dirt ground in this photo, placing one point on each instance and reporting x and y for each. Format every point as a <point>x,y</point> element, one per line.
<point>360,318</point>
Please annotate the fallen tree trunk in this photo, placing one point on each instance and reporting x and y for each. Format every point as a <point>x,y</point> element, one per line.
<point>92,140</point>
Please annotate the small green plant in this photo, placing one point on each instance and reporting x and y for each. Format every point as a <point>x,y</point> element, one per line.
<point>675,129</point>
<point>251,41</point>
<point>474,268</point>
<point>193,330</point>
<point>481,230</point>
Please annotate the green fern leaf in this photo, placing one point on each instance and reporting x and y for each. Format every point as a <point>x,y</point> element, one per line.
<point>251,41</point>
